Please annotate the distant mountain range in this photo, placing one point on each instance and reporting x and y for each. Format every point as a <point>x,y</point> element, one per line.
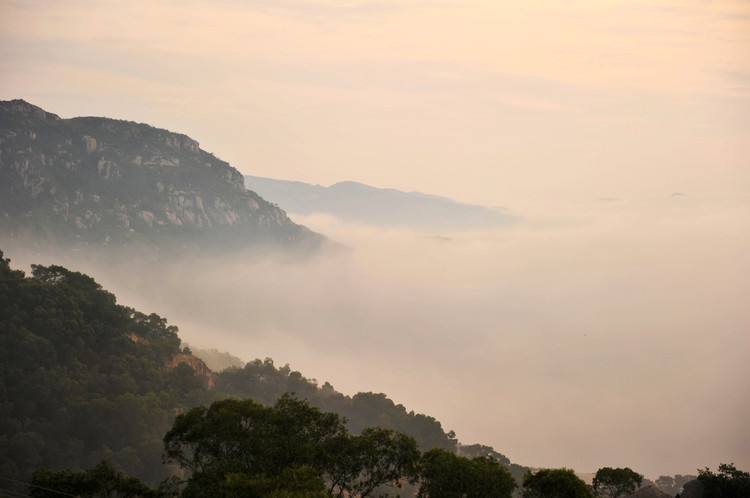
<point>97,180</point>
<point>360,203</point>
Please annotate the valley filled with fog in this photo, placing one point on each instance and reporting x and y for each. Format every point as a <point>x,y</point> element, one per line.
<point>592,333</point>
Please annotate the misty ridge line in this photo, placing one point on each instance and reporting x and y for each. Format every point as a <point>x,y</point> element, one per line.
<point>125,153</point>
<point>360,203</point>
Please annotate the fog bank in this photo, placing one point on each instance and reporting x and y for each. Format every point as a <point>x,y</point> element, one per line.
<point>612,332</point>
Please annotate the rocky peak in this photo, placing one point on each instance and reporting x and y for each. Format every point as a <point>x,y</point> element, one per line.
<point>101,180</point>
<point>21,107</point>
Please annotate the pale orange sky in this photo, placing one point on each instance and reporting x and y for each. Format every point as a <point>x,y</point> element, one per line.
<point>496,102</point>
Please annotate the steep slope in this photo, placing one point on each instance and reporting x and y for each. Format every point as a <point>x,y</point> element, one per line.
<point>83,378</point>
<point>360,203</point>
<point>100,180</point>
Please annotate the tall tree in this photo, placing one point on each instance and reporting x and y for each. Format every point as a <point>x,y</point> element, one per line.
<point>447,475</point>
<point>616,482</point>
<point>375,458</point>
<point>244,445</point>
<point>555,483</point>
<point>727,482</point>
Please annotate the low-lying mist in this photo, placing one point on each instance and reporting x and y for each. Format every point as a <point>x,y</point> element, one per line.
<point>613,333</point>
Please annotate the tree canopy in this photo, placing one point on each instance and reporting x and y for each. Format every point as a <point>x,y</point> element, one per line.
<point>241,448</point>
<point>555,483</point>
<point>84,379</point>
<point>727,482</point>
<point>447,475</point>
<point>74,388</point>
<point>616,482</point>
<point>100,481</point>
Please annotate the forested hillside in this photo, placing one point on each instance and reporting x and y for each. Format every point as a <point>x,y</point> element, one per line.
<point>84,379</point>
<point>108,393</point>
<point>75,387</point>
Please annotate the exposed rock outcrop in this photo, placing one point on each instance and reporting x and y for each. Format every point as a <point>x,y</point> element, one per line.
<point>199,367</point>
<point>100,180</point>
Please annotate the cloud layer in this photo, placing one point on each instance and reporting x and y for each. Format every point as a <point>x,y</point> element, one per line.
<point>614,336</point>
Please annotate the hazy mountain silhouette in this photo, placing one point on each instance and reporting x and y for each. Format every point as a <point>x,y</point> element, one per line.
<point>360,203</point>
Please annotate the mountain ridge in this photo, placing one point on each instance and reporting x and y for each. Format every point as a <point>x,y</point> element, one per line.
<point>98,180</point>
<point>358,202</point>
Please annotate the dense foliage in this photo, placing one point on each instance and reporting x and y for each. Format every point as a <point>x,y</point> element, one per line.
<point>241,444</point>
<point>480,450</point>
<point>264,382</point>
<point>616,482</point>
<point>555,483</point>
<point>240,448</point>
<point>74,389</point>
<point>103,480</point>
<point>447,475</point>
<point>83,379</point>
<point>727,482</point>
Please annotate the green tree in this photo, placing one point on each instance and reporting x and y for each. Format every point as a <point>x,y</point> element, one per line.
<point>103,481</point>
<point>242,445</point>
<point>479,450</point>
<point>75,386</point>
<point>297,482</point>
<point>555,483</point>
<point>242,448</point>
<point>616,482</point>
<point>359,465</point>
<point>447,475</point>
<point>727,482</point>
<point>83,379</point>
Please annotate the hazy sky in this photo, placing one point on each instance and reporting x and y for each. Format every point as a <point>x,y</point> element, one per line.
<point>609,327</point>
<point>497,102</point>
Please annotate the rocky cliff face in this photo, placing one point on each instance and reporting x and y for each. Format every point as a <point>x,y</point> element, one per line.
<point>199,367</point>
<point>100,180</point>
